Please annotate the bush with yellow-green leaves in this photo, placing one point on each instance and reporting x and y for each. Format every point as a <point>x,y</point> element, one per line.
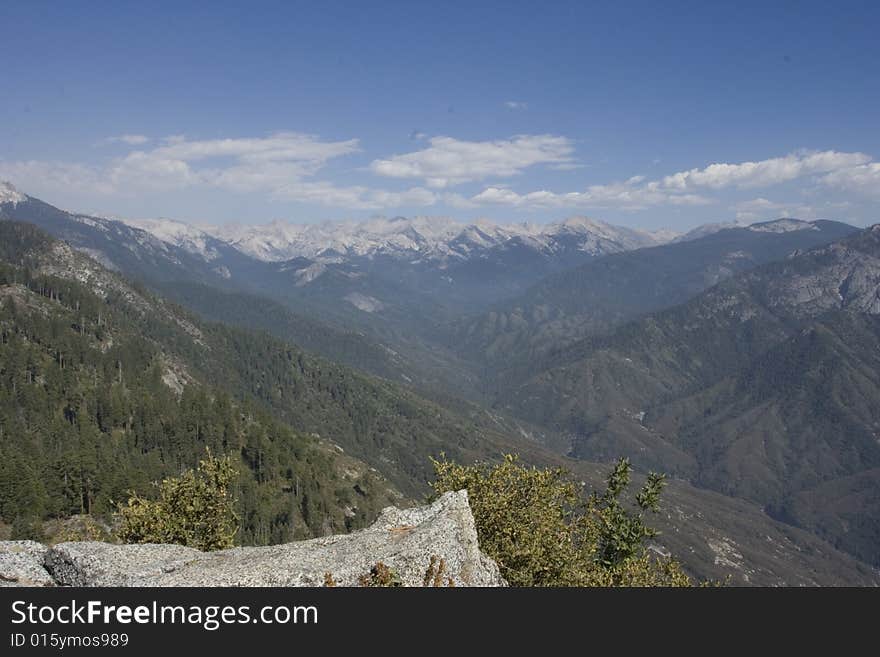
<point>542,531</point>
<point>534,522</point>
<point>196,509</point>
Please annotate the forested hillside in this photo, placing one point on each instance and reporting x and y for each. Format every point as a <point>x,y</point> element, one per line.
<point>140,339</point>
<point>101,394</point>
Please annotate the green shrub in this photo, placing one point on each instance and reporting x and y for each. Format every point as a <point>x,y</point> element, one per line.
<point>196,509</point>
<point>542,532</point>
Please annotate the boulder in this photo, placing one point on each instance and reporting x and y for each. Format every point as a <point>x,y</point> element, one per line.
<point>21,564</point>
<point>404,540</point>
<point>105,564</point>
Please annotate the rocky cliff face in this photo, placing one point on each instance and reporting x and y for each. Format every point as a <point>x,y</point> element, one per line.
<point>404,540</point>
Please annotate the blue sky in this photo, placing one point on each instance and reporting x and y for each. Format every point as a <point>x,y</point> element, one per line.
<point>644,114</point>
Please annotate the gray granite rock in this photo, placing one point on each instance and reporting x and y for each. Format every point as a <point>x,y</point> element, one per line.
<point>105,564</point>
<point>21,564</point>
<point>404,540</point>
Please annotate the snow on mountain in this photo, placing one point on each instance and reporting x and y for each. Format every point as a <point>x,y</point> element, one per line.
<point>785,225</point>
<point>180,234</point>
<point>308,274</point>
<point>417,238</point>
<point>597,237</point>
<point>363,302</point>
<point>9,194</point>
<point>278,240</point>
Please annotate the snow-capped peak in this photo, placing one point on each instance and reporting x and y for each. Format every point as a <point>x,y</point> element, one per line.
<point>420,237</point>
<point>9,194</point>
<point>600,237</point>
<point>585,224</point>
<point>413,239</point>
<point>178,233</point>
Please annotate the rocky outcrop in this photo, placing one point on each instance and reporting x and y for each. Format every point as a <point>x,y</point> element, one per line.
<point>404,540</point>
<point>21,564</point>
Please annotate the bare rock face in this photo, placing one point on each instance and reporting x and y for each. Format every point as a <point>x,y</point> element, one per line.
<point>403,540</point>
<point>843,276</point>
<point>21,564</point>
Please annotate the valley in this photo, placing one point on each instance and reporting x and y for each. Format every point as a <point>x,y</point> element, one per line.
<point>338,359</point>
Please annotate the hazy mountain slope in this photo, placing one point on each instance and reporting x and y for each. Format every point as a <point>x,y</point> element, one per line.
<point>764,386</point>
<point>842,511</point>
<point>392,427</point>
<point>802,422</point>
<point>607,291</point>
<point>728,536</point>
<point>397,288</point>
<point>397,281</point>
<point>255,312</point>
<point>389,263</point>
<point>114,244</point>
<point>716,332</point>
<point>717,536</point>
<point>339,293</point>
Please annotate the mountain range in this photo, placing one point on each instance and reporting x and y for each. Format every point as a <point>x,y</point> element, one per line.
<point>438,239</point>
<point>741,360</point>
<point>602,293</point>
<point>396,281</point>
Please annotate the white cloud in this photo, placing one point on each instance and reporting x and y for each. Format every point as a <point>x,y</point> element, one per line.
<point>448,161</point>
<point>864,179</point>
<point>131,140</point>
<point>516,105</point>
<point>355,197</point>
<point>280,147</point>
<point>279,166</point>
<point>760,204</point>
<point>627,196</point>
<point>37,176</point>
<point>284,166</point>
<point>763,173</point>
<point>850,170</point>
<point>262,164</point>
<point>241,165</point>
